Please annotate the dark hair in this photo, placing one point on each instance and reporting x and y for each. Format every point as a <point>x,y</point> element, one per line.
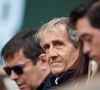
<point>25,41</point>
<point>91,10</point>
<point>81,65</point>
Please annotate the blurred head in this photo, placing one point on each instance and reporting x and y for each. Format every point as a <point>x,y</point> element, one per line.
<point>60,43</point>
<point>86,18</point>
<point>25,60</point>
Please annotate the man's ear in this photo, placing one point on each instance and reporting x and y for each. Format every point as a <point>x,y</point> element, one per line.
<point>43,61</point>
<point>42,57</point>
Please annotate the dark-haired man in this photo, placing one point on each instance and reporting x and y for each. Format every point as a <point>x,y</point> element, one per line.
<point>86,19</point>
<point>25,61</point>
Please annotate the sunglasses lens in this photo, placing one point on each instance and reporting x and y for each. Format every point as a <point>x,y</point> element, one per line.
<point>7,70</point>
<point>18,70</point>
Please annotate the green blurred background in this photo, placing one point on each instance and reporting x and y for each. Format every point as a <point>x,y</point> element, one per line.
<point>38,12</point>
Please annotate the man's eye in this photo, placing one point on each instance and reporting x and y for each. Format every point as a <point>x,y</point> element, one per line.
<point>46,47</point>
<point>88,39</point>
<point>58,43</point>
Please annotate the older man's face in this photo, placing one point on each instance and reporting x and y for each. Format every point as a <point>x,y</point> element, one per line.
<point>59,50</point>
<point>90,37</point>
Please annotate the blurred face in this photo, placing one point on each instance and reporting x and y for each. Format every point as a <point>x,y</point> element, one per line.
<point>60,51</point>
<point>24,72</point>
<point>90,37</point>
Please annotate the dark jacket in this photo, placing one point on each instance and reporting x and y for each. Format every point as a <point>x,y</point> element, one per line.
<point>52,81</point>
<point>65,77</point>
<point>46,85</point>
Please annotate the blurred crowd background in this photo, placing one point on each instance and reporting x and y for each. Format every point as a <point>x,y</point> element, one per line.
<point>18,15</point>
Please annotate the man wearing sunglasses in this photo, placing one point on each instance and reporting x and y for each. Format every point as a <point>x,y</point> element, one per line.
<point>25,61</point>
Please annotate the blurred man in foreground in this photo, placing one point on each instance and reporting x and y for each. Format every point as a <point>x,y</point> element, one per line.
<point>86,19</point>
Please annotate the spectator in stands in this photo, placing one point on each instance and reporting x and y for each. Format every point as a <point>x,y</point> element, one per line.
<point>86,19</point>
<point>25,61</point>
<point>63,51</point>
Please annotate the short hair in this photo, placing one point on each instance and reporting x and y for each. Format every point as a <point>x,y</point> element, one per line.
<point>72,34</point>
<point>25,41</point>
<point>91,10</point>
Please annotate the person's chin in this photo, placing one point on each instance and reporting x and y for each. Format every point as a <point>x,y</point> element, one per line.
<point>24,87</point>
<point>56,71</point>
<point>95,58</point>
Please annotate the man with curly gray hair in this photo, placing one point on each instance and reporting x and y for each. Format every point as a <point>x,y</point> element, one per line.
<point>63,51</point>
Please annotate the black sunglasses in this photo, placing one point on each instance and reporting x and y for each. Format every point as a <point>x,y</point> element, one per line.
<point>17,69</point>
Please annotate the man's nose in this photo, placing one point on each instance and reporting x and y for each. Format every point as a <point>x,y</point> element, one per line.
<point>13,75</point>
<point>86,48</point>
<point>52,52</point>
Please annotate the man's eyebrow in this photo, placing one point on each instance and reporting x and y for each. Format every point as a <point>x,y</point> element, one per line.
<point>57,42</point>
<point>85,35</point>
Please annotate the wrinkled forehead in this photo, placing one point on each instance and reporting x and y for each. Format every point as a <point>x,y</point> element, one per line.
<point>57,32</point>
<point>58,27</point>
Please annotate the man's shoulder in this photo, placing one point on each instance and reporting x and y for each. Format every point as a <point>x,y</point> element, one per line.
<point>46,85</point>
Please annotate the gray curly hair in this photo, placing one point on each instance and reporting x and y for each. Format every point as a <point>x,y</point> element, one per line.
<point>72,33</point>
